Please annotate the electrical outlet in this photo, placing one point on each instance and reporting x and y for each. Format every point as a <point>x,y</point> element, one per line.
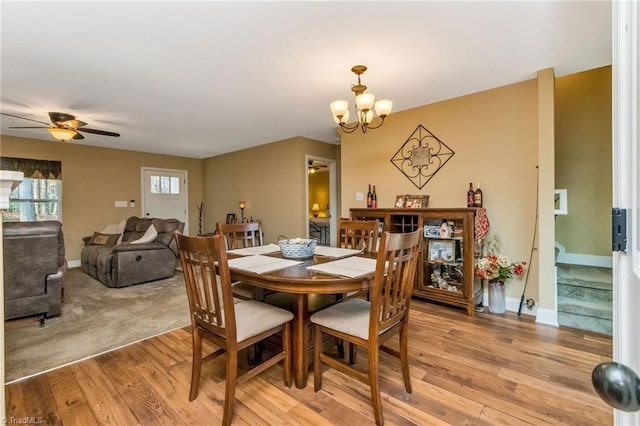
<point>530,304</point>
<point>359,196</point>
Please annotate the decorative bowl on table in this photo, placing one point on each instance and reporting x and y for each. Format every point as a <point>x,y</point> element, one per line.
<point>297,248</point>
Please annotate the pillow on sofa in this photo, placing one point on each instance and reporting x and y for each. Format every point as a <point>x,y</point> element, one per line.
<point>107,240</point>
<point>118,228</point>
<point>147,237</point>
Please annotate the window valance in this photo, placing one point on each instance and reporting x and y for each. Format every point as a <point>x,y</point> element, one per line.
<point>36,169</point>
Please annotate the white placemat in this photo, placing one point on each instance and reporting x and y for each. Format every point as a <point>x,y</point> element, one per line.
<point>351,267</point>
<point>250,251</point>
<point>261,264</point>
<point>335,251</point>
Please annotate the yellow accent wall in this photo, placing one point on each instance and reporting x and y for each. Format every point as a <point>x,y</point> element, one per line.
<point>494,135</point>
<point>94,178</point>
<point>319,192</point>
<point>583,160</point>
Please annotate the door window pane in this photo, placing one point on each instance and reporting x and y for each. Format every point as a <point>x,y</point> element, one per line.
<point>155,184</point>
<point>175,185</point>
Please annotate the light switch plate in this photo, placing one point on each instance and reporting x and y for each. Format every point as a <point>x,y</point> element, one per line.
<point>359,196</point>
<point>121,204</point>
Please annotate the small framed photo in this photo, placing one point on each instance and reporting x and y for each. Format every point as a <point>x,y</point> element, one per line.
<point>431,231</point>
<point>416,201</point>
<point>441,251</point>
<point>399,202</point>
<point>231,218</point>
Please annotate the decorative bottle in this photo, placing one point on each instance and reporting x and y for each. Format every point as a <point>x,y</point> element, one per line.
<point>477,197</point>
<point>369,197</point>
<point>471,196</point>
<point>374,198</point>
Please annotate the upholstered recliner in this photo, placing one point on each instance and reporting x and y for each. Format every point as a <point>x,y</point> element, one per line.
<point>34,264</point>
<point>138,255</point>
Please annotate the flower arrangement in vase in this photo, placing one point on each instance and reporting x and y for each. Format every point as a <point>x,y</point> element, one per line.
<point>498,268</point>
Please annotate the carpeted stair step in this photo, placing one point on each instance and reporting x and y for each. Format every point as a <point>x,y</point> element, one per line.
<point>582,322</point>
<point>585,297</point>
<point>596,309</point>
<point>586,294</point>
<point>585,276</point>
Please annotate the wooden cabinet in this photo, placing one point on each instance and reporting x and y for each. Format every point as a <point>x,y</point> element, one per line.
<point>446,266</point>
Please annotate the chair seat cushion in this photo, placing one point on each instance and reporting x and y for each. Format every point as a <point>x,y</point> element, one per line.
<point>253,318</point>
<point>350,317</point>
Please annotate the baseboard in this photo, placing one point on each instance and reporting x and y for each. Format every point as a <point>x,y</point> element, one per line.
<point>547,316</point>
<point>73,264</point>
<point>513,304</point>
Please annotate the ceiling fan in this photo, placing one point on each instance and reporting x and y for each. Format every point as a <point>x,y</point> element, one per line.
<point>63,126</point>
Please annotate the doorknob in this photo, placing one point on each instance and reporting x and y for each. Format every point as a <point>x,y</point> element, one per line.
<point>617,385</point>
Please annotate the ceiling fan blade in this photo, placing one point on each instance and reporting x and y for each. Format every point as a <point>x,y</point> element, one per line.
<point>99,132</point>
<point>78,136</point>
<point>24,118</point>
<point>60,117</point>
<point>29,127</point>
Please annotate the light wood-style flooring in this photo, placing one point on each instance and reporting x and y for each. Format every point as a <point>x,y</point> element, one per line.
<point>487,370</point>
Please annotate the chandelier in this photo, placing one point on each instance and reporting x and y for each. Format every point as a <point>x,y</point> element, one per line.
<point>365,107</point>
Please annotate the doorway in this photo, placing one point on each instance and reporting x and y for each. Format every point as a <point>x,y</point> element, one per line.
<point>321,199</point>
<point>164,194</point>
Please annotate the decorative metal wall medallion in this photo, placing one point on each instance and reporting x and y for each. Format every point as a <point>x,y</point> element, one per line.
<point>421,156</point>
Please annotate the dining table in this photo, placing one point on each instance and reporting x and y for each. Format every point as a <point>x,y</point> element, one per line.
<point>330,271</point>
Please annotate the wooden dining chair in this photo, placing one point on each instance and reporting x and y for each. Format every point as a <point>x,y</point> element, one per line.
<point>215,317</point>
<point>242,235</point>
<point>358,234</point>
<point>370,324</point>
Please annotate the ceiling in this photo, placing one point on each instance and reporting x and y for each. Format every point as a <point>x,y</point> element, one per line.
<point>198,79</point>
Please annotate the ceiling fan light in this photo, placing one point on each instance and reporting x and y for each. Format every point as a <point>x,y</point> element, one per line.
<point>364,101</point>
<point>383,108</point>
<point>62,134</point>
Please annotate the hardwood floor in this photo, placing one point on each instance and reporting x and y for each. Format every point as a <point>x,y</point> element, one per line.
<point>487,370</point>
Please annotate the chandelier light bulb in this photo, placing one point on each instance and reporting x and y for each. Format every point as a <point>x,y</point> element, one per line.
<point>365,101</point>
<point>383,108</point>
<point>339,108</point>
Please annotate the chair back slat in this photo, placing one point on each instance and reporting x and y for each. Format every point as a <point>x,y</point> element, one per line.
<point>358,234</point>
<point>241,235</point>
<point>209,292</point>
<point>394,277</point>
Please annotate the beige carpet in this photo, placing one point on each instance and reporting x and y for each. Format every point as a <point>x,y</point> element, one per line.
<point>94,319</point>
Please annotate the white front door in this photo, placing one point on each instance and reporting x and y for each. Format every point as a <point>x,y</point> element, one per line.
<point>165,194</point>
<point>626,191</point>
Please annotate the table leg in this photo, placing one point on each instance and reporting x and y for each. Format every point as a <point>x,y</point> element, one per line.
<point>300,339</point>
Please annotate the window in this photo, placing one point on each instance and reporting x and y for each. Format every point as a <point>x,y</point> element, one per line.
<point>39,195</point>
<point>165,185</point>
<point>34,200</point>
